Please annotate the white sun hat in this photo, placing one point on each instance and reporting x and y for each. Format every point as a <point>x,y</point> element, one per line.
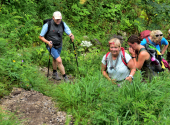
<point>57,15</point>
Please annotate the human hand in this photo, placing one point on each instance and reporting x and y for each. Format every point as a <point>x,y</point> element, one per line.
<point>129,78</point>
<point>132,52</point>
<point>113,81</point>
<point>72,37</point>
<point>50,44</point>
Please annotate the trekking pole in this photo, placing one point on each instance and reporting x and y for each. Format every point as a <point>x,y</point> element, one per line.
<point>75,53</point>
<point>49,63</point>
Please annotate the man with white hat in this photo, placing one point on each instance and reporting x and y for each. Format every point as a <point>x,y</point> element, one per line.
<point>52,36</point>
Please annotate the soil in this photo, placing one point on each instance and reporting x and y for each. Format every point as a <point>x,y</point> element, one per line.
<point>33,107</point>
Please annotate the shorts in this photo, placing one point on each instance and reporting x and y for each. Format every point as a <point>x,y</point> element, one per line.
<point>55,53</point>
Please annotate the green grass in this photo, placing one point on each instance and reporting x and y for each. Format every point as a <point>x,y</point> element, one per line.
<point>92,99</point>
<point>8,118</point>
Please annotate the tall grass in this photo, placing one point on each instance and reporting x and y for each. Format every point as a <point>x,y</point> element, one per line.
<point>93,100</point>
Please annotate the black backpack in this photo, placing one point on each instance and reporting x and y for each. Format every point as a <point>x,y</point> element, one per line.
<point>156,58</point>
<point>49,24</point>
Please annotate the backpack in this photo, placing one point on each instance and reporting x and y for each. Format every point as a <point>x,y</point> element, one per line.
<point>157,64</point>
<point>145,34</point>
<point>122,56</point>
<point>49,24</point>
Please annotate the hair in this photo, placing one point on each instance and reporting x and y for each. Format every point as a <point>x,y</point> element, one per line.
<point>169,31</point>
<point>134,39</point>
<point>153,35</point>
<point>116,42</point>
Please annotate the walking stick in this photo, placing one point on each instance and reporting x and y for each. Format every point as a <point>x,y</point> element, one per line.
<point>75,53</point>
<point>49,63</point>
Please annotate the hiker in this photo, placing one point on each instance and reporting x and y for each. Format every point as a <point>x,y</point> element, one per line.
<point>140,56</point>
<point>116,67</point>
<point>53,39</point>
<point>156,38</point>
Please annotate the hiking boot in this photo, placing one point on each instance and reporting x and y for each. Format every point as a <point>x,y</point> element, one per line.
<point>55,76</point>
<point>66,79</point>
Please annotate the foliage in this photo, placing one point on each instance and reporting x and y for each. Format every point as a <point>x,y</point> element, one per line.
<point>7,118</point>
<point>91,99</point>
<point>93,18</point>
<point>157,13</point>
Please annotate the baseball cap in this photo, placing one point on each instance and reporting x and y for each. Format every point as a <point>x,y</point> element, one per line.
<point>57,15</point>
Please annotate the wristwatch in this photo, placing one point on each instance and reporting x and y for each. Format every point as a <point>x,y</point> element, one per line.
<point>131,76</point>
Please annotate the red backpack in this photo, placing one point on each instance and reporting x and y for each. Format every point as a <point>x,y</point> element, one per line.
<point>145,34</point>
<point>123,57</point>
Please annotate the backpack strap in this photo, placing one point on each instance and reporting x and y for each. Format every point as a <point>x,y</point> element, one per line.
<point>147,39</point>
<point>49,26</point>
<point>48,21</point>
<point>159,44</point>
<point>123,57</point>
<point>62,25</point>
<point>106,58</point>
<point>142,49</point>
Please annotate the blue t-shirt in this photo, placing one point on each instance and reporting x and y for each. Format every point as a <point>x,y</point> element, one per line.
<point>163,42</point>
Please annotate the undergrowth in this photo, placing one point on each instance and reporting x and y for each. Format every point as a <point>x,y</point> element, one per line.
<point>91,99</point>
<point>8,118</point>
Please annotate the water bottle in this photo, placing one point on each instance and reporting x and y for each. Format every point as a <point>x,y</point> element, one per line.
<point>157,64</point>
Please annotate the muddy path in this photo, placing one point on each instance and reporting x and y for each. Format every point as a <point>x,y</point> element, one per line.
<point>34,108</point>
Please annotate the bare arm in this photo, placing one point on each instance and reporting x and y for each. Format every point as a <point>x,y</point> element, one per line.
<point>46,41</point>
<point>144,55</point>
<point>132,68</point>
<point>164,49</point>
<point>103,70</point>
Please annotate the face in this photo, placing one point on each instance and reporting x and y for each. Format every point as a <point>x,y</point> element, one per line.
<point>114,50</point>
<point>158,38</point>
<point>133,46</point>
<point>57,21</point>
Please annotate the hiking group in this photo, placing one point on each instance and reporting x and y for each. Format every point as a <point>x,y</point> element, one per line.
<point>117,65</point>
<point>146,55</point>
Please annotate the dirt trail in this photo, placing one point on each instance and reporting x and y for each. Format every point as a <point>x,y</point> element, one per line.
<point>35,108</point>
<point>45,71</point>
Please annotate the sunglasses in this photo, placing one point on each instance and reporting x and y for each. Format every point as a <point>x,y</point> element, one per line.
<point>159,35</point>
